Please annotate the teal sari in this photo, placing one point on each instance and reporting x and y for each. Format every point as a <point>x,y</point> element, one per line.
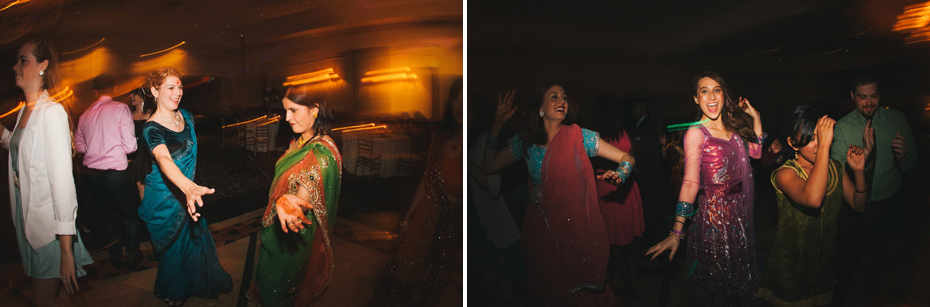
<point>187,261</point>
<point>293,268</point>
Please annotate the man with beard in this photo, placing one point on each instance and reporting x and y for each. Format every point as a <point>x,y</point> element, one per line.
<point>894,152</point>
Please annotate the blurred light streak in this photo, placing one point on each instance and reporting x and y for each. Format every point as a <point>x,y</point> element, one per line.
<point>198,82</point>
<point>914,21</point>
<point>854,34</point>
<point>14,3</point>
<point>391,77</point>
<point>366,128</point>
<point>166,50</point>
<point>765,51</point>
<point>248,121</point>
<point>387,71</point>
<point>389,74</point>
<point>311,77</point>
<point>683,126</point>
<point>271,120</point>
<point>356,126</point>
<point>20,106</point>
<point>825,53</point>
<point>63,94</point>
<point>311,74</point>
<point>85,48</point>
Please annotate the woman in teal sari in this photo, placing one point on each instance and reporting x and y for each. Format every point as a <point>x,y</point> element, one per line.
<point>296,262</point>
<point>187,261</point>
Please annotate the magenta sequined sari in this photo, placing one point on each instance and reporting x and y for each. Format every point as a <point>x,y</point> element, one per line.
<point>721,240</point>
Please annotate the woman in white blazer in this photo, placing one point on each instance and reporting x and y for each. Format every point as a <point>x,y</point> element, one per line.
<point>42,192</point>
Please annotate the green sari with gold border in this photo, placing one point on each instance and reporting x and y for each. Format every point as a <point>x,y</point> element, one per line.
<point>293,268</point>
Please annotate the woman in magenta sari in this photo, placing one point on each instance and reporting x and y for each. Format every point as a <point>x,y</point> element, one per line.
<point>564,239</point>
<point>722,254</point>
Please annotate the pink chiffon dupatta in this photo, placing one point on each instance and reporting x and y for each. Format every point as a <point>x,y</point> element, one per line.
<point>565,236</point>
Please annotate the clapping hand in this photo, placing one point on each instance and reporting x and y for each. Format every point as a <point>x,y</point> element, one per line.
<point>855,157</point>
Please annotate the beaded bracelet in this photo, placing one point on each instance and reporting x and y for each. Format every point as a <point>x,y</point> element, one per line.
<point>760,139</point>
<point>623,170</point>
<point>677,234</point>
<point>684,209</point>
<point>493,142</point>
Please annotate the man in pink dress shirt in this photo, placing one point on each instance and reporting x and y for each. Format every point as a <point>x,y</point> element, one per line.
<point>105,135</point>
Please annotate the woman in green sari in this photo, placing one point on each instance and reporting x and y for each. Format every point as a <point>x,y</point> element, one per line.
<point>296,257</point>
<point>810,190</point>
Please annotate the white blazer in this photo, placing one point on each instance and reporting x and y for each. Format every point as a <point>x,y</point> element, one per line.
<point>46,180</point>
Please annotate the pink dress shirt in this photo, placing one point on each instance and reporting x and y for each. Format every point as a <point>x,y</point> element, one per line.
<point>105,134</point>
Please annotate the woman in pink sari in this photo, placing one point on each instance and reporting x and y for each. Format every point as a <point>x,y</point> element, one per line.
<point>564,239</point>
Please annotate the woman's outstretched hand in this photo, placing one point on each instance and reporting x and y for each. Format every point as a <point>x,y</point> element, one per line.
<point>670,244</point>
<point>505,109</point>
<point>611,177</point>
<point>195,195</point>
<point>290,210</point>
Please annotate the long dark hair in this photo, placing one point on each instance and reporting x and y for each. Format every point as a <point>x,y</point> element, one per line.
<point>800,126</point>
<point>609,117</point>
<point>535,131</point>
<point>733,117</point>
<point>449,124</point>
<point>148,101</point>
<point>303,95</point>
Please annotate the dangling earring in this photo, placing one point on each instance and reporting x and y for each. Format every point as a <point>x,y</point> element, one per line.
<point>541,114</point>
<point>41,72</point>
<point>796,157</point>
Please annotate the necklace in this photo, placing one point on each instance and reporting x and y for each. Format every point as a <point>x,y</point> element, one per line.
<point>176,119</point>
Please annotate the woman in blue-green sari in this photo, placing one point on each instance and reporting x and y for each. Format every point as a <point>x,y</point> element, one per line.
<point>187,261</point>
<point>296,258</point>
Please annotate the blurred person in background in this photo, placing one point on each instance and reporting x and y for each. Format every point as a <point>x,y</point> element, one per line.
<point>426,270</point>
<point>621,206</point>
<point>142,105</point>
<point>42,190</point>
<point>105,136</point>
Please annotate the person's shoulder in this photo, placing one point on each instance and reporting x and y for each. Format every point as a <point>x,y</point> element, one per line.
<point>849,118</point>
<point>894,114</point>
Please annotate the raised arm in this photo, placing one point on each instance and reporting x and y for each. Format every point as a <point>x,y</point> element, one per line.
<point>855,188</point>
<point>755,146</point>
<point>810,192</point>
<point>495,160</point>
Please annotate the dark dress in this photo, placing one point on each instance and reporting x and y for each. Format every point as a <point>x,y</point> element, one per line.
<point>801,263</point>
<point>187,261</point>
<point>141,161</point>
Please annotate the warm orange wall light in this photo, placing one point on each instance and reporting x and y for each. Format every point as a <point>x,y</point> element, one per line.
<point>311,77</point>
<point>390,74</point>
<point>915,21</point>
<point>353,127</point>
